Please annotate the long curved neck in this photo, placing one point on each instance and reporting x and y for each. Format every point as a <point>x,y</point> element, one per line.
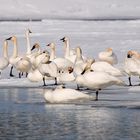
<point>15,50</point>
<point>5,49</point>
<point>52,56</point>
<point>28,44</point>
<point>67,48</point>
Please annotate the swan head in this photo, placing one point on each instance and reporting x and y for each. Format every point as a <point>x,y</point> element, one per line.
<point>36,45</point>
<point>109,49</point>
<point>65,39</point>
<point>13,38</point>
<point>133,53</point>
<point>88,65</point>
<point>28,31</point>
<point>52,45</point>
<point>70,70</point>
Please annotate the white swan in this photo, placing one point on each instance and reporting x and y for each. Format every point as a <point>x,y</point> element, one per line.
<point>22,64</point>
<point>102,66</point>
<point>132,65</point>
<point>60,95</point>
<point>62,63</point>
<point>80,63</point>
<point>70,55</point>
<point>97,81</point>
<point>14,58</point>
<point>108,56</point>
<point>4,62</point>
<point>48,69</point>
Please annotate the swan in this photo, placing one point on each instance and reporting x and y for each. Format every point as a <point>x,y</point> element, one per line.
<point>48,69</point>
<point>132,65</point>
<point>60,94</point>
<point>22,64</point>
<point>97,80</point>
<point>102,66</point>
<point>38,56</point>
<point>14,58</point>
<point>61,63</point>
<point>109,56</point>
<point>70,55</point>
<point>80,63</point>
<point>4,62</point>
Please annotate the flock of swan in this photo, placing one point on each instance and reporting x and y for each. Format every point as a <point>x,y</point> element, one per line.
<point>72,67</point>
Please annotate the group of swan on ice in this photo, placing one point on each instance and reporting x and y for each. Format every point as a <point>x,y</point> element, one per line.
<point>72,67</point>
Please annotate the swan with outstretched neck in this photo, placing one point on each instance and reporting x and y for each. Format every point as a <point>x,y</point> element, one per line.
<point>4,60</point>
<point>22,64</point>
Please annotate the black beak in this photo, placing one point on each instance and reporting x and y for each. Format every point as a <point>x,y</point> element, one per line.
<point>48,44</point>
<point>9,38</point>
<point>30,31</point>
<point>128,56</point>
<point>33,48</point>
<point>63,39</point>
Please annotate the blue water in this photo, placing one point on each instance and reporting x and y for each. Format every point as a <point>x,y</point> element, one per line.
<point>24,114</point>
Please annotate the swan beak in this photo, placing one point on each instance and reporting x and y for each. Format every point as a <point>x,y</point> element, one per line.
<point>63,39</point>
<point>33,48</point>
<point>9,38</point>
<point>29,31</point>
<point>48,44</point>
<point>128,56</point>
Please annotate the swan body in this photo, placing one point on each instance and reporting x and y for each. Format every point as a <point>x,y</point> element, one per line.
<point>108,56</point>
<point>98,80</point>
<point>60,95</point>
<point>4,62</point>
<point>101,66</point>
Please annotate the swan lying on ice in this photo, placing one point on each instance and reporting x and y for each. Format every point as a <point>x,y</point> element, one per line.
<point>61,94</point>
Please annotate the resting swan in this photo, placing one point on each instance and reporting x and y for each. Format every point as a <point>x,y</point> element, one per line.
<point>60,95</point>
<point>4,62</point>
<point>108,56</point>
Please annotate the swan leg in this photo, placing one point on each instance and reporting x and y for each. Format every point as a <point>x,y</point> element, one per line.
<point>44,84</point>
<point>26,74</point>
<point>55,81</point>
<point>20,74</point>
<point>78,88</point>
<point>129,78</point>
<point>96,99</point>
<point>11,71</point>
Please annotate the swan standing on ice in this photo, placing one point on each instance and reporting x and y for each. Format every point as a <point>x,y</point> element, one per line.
<point>108,56</point>
<point>61,94</point>
<point>62,63</point>
<point>132,65</point>
<point>4,62</point>
<point>22,64</point>
<point>48,69</point>
<point>97,80</point>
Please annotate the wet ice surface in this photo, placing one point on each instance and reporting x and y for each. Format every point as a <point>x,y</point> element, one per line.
<point>24,114</point>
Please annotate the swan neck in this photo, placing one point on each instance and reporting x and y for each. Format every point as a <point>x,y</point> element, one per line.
<point>5,50</point>
<point>67,48</point>
<point>15,50</point>
<point>28,44</point>
<point>52,56</point>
